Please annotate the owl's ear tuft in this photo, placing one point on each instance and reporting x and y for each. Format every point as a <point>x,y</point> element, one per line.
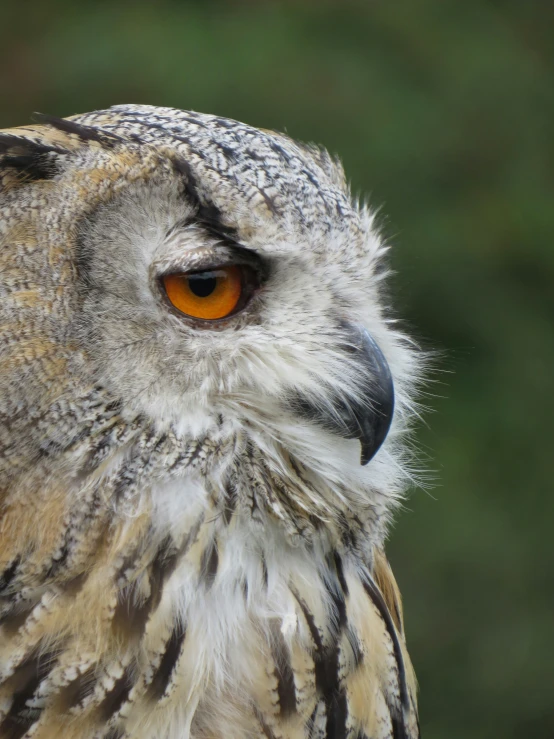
<point>86,134</point>
<point>28,158</point>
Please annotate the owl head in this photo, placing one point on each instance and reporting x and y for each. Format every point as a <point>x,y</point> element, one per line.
<point>184,295</point>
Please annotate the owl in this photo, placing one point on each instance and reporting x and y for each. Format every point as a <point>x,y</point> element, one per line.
<point>204,405</point>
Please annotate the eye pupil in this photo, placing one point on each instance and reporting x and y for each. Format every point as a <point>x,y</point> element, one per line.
<point>202,284</point>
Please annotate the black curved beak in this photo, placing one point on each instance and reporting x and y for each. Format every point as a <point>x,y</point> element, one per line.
<point>368,418</point>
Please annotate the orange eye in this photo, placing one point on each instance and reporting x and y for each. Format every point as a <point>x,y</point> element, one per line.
<point>209,295</point>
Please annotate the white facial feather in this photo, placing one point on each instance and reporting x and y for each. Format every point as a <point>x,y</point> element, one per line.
<point>184,377</point>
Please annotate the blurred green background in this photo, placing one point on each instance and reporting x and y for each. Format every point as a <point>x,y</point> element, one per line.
<point>443,112</point>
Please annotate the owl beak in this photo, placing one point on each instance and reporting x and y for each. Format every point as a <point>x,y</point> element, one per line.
<point>370,418</point>
<point>367,417</point>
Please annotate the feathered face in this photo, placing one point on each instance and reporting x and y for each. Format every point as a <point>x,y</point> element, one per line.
<point>221,284</point>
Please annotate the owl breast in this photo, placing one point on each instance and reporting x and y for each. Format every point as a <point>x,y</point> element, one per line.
<point>247,636</point>
<point>203,620</point>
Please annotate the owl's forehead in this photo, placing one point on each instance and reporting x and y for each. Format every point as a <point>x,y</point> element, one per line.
<point>241,166</point>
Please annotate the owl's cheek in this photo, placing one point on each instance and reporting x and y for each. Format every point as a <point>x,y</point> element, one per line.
<point>365,415</point>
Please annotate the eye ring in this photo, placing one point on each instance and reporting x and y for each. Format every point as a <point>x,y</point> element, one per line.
<point>210,294</point>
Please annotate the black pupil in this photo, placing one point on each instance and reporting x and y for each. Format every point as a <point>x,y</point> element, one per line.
<point>202,284</point>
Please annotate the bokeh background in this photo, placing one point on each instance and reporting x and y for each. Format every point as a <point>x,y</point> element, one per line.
<point>443,113</point>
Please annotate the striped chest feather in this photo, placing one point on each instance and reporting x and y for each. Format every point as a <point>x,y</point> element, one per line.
<point>204,625</point>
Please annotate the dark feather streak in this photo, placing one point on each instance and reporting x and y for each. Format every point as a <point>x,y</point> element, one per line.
<point>118,695</point>
<point>130,617</point>
<point>209,564</point>
<point>354,642</point>
<point>265,574</point>
<point>84,133</point>
<point>33,159</point>
<point>24,682</point>
<point>12,620</point>
<point>76,691</point>
<point>399,730</point>
<point>286,688</point>
<point>377,599</point>
<point>208,215</point>
<point>266,730</point>
<point>115,733</point>
<point>230,501</point>
<point>340,572</point>
<point>326,664</point>
<point>9,573</point>
<point>161,678</point>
